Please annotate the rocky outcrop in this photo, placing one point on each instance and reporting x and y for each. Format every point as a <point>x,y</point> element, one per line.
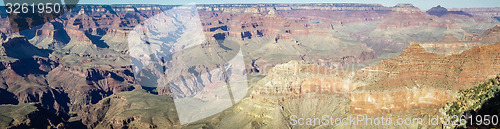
<point>450,48</point>
<point>88,86</point>
<point>405,8</point>
<point>491,35</point>
<point>116,39</point>
<point>291,80</point>
<point>449,45</point>
<point>28,115</point>
<point>134,109</point>
<point>20,48</point>
<point>392,101</point>
<point>51,35</point>
<point>440,11</point>
<point>449,38</point>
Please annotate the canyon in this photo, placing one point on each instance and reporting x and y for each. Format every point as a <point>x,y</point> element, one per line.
<point>80,69</point>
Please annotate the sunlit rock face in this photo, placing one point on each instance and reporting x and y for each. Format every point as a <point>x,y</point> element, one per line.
<point>398,100</point>
<point>416,79</point>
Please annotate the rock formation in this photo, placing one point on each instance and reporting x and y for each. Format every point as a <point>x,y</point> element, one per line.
<point>134,109</point>
<point>440,11</point>
<point>28,115</point>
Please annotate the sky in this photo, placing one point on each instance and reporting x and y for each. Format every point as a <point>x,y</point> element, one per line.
<point>422,4</point>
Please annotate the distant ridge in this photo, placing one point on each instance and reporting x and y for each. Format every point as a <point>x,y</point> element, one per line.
<point>441,11</point>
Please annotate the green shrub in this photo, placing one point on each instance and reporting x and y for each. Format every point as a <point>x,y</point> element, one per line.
<point>494,82</point>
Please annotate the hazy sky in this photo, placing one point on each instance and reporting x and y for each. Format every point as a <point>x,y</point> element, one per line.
<point>422,4</point>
